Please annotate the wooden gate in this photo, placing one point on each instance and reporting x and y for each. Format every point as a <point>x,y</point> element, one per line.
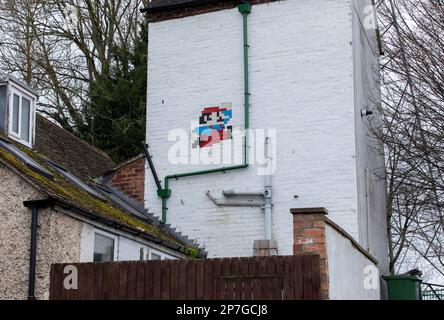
<point>268,278</point>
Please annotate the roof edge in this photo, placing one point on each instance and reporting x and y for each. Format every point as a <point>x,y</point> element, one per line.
<point>48,198</point>
<point>9,79</point>
<point>126,162</point>
<point>186,4</point>
<point>39,203</point>
<point>157,11</point>
<point>184,249</point>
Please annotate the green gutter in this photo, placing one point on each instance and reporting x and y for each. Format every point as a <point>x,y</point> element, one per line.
<point>165,193</point>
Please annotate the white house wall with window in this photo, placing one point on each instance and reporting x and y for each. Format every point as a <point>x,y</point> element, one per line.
<point>18,112</point>
<point>99,244</point>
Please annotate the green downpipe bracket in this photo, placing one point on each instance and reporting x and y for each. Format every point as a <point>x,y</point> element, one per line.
<point>165,193</point>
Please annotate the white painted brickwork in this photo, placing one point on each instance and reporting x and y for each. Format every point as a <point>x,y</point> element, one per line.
<point>301,73</point>
<point>366,68</point>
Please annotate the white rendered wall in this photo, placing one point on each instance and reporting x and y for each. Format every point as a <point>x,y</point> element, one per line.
<point>301,73</point>
<point>126,247</point>
<point>347,269</point>
<point>369,152</point>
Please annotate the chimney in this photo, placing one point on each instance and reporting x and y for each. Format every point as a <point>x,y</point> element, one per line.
<point>129,178</point>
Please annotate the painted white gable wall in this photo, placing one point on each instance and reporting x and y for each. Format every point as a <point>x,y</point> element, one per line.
<point>301,73</point>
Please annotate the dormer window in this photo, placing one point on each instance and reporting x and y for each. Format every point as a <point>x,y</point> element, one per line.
<point>20,115</point>
<point>20,103</point>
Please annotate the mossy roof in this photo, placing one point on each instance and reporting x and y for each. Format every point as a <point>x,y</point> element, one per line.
<point>67,193</point>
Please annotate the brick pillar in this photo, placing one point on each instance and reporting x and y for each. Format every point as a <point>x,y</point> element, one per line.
<point>309,237</point>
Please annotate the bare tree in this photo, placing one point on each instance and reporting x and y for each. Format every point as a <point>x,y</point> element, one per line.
<point>60,46</point>
<point>413,117</point>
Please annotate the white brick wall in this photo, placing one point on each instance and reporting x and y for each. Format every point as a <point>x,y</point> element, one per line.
<point>301,73</point>
<point>367,86</point>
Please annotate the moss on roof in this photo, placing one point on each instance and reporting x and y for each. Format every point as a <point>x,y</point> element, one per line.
<point>61,189</point>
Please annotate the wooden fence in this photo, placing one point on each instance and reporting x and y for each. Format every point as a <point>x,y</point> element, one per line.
<point>267,278</point>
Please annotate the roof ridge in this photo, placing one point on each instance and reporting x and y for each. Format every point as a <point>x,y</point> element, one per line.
<point>73,135</point>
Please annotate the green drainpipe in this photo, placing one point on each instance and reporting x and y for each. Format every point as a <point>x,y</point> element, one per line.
<point>165,193</point>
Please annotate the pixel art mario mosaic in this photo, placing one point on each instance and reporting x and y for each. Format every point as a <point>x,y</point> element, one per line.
<point>214,125</point>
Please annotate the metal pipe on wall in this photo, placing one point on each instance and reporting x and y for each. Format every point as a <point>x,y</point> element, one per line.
<point>367,203</point>
<point>33,252</point>
<point>34,205</point>
<point>232,203</point>
<point>268,204</point>
<point>232,193</point>
<point>267,195</point>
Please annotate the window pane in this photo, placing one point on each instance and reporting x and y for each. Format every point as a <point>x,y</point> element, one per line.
<point>15,113</point>
<point>103,248</point>
<point>26,112</point>
<point>155,256</point>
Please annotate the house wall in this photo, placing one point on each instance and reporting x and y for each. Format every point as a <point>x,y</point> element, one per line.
<point>61,238</point>
<point>127,248</point>
<point>347,269</point>
<point>369,152</point>
<point>58,242</point>
<point>301,78</point>
<point>58,239</point>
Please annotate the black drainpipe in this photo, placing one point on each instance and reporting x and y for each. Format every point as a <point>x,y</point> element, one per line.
<point>34,205</point>
<point>151,165</point>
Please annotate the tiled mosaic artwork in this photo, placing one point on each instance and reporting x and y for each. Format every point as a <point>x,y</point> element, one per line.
<point>214,125</point>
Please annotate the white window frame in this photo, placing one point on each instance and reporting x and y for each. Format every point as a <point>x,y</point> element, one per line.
<point>157,254</point>
<point>13,89</point>
<point>108,235</point>
<point>161,254</point>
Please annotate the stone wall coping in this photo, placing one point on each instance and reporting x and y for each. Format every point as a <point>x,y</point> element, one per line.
<point>319,210</point>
